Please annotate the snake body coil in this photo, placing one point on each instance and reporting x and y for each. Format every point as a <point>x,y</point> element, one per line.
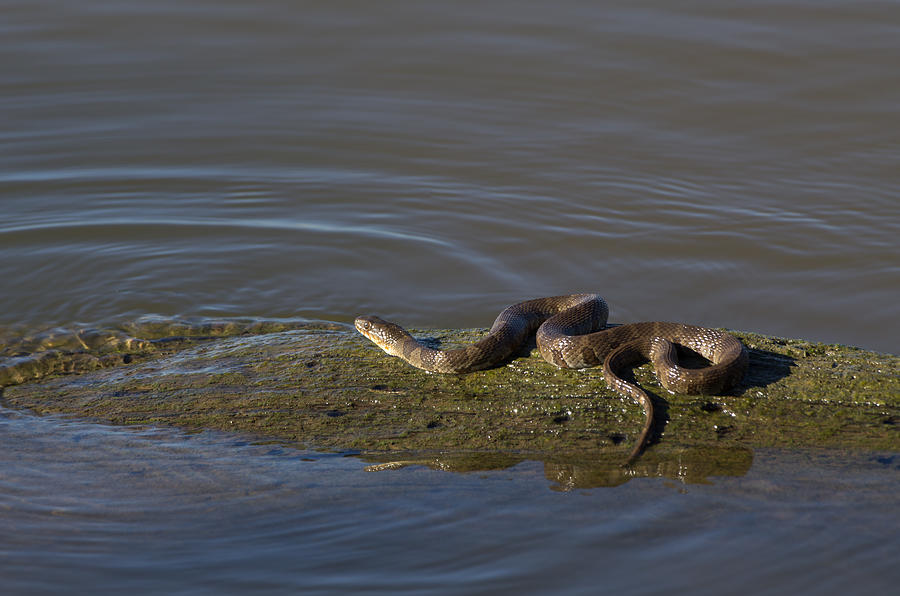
<point>571,333</point>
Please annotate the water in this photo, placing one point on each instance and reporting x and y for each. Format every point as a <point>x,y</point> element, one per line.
<point>157,511</point>
<point>719,164</point>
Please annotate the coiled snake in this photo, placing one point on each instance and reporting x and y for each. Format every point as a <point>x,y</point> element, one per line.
<point>571,333</point>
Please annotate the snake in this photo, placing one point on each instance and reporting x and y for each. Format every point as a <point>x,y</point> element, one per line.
<point>571,332</point>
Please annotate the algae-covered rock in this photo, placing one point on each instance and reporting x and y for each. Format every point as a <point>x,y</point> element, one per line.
<point>324,386</point>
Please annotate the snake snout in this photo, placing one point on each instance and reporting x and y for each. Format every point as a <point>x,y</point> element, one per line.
<point>384,334</point>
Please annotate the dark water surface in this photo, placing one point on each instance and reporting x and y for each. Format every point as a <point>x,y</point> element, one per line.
<point>733,166</point>
<point>121,510</point>
<point>724,164</point>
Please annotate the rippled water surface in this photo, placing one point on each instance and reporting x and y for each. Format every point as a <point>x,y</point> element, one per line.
<point>721,165</point>
<point>724,164</point>
<point>142,510</point>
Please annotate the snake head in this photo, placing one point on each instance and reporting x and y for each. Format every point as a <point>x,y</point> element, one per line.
<point>384,334</point>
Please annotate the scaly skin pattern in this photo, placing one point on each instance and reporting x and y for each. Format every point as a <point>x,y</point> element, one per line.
<point>570,333</point>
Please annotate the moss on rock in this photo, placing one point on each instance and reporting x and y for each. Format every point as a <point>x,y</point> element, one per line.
<point>327,387</point>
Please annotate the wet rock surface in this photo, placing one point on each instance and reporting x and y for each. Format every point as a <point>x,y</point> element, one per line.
<point>321,385</point>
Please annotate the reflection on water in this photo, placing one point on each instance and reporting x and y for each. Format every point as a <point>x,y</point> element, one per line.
<point>688,466</point>
<point>684,465</point>
<point>153,510</point>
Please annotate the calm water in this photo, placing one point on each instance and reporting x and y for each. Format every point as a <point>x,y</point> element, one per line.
<point>724,164</point>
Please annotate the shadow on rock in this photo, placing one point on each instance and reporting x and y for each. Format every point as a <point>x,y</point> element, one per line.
<point>765,368</point>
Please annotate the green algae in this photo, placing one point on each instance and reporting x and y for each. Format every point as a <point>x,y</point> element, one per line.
<point>325,387</point>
